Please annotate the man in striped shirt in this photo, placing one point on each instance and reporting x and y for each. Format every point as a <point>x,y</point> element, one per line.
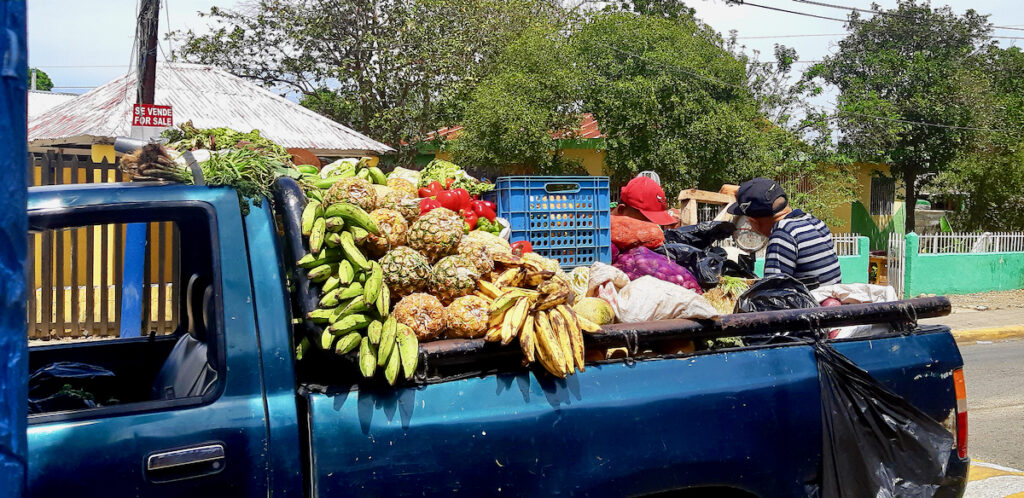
<point>798,243</point>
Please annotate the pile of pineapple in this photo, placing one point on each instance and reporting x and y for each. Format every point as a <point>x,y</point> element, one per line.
<point>390,278</point>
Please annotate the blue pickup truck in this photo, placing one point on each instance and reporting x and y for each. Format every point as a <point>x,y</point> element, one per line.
<point>221,407</point>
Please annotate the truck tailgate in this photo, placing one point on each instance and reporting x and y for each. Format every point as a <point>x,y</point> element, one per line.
<point>747,418</point>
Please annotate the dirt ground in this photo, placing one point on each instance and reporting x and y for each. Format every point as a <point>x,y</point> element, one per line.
<point>996,300</point>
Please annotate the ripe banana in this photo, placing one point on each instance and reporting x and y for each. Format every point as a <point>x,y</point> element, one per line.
<point>575,335</point>
<point>514,320</point>
<point>373,283</point>
<point>347,343</point>
<point>508,278</point>
<point>558,325</point>
<point>492,291</point>
<point>586,325</point>
<point>387,340</point>
<point>316,236</point>
<point>507,299</point>
<point>408,349</point>
<point>535,278</point>
<point>353,216</point>
<point>551,300</point>
<point>493,334</point>
<point>367,357</point>
<point>527,342</point>
<point>549,352</point>
<point>310,213</point>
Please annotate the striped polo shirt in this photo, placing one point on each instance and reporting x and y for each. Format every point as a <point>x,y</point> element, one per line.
<point>801,246</point>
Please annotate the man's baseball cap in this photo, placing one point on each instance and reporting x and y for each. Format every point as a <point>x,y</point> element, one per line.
<point>646,196</point>
<point>757,197</point>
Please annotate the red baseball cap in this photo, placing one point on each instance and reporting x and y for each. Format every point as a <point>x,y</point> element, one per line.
<point>646,196</point>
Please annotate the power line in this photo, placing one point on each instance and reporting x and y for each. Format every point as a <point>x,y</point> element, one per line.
<point>77,66</point>
<point>787,36</point>
<point>880,12</point>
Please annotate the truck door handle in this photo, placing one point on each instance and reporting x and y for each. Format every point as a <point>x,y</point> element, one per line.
<point>186,462</point>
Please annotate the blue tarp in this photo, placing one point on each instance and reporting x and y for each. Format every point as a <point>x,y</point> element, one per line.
<point>13,248</point>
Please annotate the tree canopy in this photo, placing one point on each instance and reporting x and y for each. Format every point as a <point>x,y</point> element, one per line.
<point>43,81</point>
<point>895,72</point>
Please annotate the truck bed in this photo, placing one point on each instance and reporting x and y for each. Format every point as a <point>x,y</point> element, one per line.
<point>746,419</point>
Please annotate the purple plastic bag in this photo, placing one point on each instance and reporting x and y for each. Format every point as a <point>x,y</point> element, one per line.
<point>641,261</point>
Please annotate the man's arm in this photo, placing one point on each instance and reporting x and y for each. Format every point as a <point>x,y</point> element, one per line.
<point>781,254</point>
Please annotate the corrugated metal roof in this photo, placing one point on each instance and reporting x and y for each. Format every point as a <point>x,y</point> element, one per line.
<point>588,129</point>
<point>210,98</point>
<point>40,101</point>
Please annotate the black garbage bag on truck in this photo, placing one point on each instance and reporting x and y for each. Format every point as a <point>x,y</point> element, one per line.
<point>707,265</point>
<point>701,235</point>
<point>775,292</point>
<point>875,443</point>
<point>68,385</point>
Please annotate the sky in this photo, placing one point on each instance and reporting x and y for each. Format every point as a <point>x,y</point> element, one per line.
<point>85,44</point>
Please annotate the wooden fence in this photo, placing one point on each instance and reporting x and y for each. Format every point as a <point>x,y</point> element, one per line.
<point>77,274</point>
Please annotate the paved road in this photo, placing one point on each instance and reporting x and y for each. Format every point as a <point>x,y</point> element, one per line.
<point>995,402</point>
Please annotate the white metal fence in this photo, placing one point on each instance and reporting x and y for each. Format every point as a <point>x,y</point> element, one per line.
<point>895,262</point>
<point>845,244</point>
<point>964,243</point>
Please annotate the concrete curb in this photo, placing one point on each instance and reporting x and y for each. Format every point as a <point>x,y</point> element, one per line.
<point>989,334</point>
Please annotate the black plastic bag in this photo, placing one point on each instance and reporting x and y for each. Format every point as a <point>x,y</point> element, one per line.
<point>68,385</point>
<point>684,255</point>
<point>701,235</point>
<point>875,443</point>
<point>710,264</point>
<point>775,292</point>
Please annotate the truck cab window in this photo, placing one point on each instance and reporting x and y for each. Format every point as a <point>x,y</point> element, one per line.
<point>123,310</point>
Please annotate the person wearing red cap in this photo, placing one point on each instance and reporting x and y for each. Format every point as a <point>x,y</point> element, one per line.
<point>642,198</point>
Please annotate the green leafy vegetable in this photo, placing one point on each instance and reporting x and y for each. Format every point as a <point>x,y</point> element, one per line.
<point>440,170</point>
<point>188,137</point>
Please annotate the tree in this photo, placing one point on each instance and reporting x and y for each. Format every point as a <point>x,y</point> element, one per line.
<point>910,65</point>
<point>43,81</point>
<point>393,69</point>
<point>511,115</point>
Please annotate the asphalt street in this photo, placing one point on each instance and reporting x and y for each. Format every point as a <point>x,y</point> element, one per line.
<point>994,375</point>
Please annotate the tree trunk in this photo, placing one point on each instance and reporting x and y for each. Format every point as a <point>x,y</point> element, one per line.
<point>910,207</point>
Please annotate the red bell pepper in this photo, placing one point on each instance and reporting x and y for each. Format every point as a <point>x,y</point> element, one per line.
<point>521,247</point>
<point>481,209</point>
<point>464,200</point>
<point>493,206</point>
<point>449,199</point>
<point>470,218</point>
<point>430,190</point>
<point>426,205</point>
<point>448,183</point>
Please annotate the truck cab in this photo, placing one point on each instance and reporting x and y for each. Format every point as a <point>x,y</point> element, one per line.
<point>216,403</point>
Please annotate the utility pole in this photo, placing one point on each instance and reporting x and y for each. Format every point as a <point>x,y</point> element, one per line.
<point>146,38</point>
<point>33,87</point>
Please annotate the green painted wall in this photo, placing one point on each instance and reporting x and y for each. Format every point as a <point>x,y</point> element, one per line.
<point>960,273</point>
<point>863,223</point>
<point>854,268</point>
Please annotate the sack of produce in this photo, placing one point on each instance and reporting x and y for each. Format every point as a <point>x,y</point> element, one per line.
<point>642,261</point>
<point>648,298</point>
<point>628,233</point>
<point>701,235</point>
<point>601,274</point>
<point>839,294</point>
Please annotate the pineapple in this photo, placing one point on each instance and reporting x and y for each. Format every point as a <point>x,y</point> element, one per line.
<point>423,313</point>
<point>476,252</point>
<point>452,277</point>
<point>402,185</point>
<point>352,190</point>
<point>405,271</point>
<point>393,228</point>
<point>436,234</point>
<point>402,202</point>
<point>466,317</point>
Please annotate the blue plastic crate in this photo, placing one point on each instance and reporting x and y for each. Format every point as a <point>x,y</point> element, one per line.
<point>566,218</point>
